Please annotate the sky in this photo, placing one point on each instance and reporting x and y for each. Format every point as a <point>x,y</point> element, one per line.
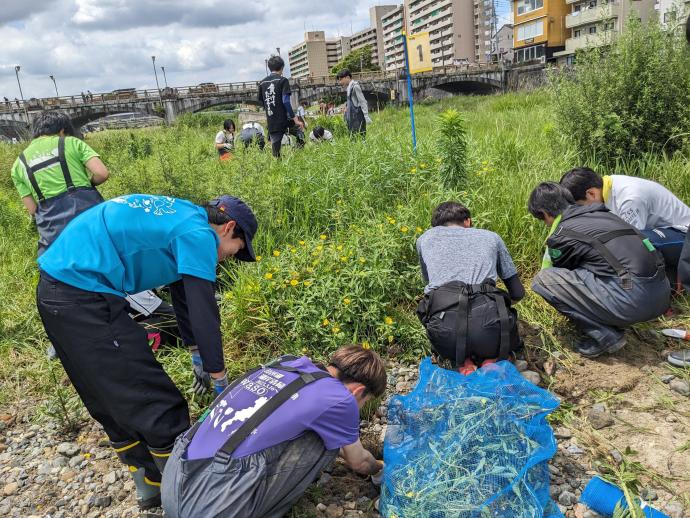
<point>102,45</point>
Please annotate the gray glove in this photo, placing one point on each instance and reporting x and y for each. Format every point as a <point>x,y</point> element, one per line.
<point>202,379</point>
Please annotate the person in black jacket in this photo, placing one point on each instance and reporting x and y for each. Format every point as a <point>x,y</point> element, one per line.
<point>274,96</point>
<point>599,271</point>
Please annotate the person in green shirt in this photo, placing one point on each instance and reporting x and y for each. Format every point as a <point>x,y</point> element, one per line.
<point>56,175</point>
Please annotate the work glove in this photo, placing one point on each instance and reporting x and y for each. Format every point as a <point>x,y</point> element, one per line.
<point>368,119</point>
<point>219,384</point>
<point>202,379</point>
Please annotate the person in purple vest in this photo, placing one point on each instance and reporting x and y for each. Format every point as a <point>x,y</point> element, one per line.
<point>269,435</point>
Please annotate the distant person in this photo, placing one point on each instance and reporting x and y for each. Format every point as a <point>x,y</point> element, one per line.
<point>469,320</point>
<point>599,271</point>
<point>125,245</point>
<point>274,96</point>
<point>56,175</point>
<point>648,206</point>
<point>682,358</point>
<point>268,437</point>
<point>253,133</point>
<point>302,111</point>
<point>320,134</point>
<point>225,140</point>
<point>357,109</point>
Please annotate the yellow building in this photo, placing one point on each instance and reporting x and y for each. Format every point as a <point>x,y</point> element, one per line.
<point>539,29</point>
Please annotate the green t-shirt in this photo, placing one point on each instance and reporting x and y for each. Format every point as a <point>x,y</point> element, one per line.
<point>50,179</point>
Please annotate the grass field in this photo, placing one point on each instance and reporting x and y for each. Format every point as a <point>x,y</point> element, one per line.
<point>337,227</point>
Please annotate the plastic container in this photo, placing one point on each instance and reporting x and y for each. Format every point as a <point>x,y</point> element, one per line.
<point>602,496</point>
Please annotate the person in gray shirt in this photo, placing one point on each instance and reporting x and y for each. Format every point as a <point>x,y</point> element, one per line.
<point>457,259</point>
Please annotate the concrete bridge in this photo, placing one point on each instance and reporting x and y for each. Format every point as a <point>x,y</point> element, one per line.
<point>379,88</point>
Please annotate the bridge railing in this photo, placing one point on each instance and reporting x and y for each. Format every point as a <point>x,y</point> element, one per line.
<point>124,96</point>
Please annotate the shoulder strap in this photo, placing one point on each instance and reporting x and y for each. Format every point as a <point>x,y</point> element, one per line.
<point>599,246</point>
<point>225,452</point>
<point>463,325</point>
<point>63,164</point>
<point>32,177</point>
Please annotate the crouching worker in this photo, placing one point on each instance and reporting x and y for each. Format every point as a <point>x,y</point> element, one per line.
<point>599,271</point>
<point>126,245</point>
<point>467,317</point>
<point>270,433</point>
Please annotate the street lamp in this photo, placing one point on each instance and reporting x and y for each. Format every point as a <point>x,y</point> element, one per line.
<point>266,63</point>
<point>17,68</point>
<point>278,49</point>
<point>165,79</point>
<point>153,60</point>
<point>52,77</point>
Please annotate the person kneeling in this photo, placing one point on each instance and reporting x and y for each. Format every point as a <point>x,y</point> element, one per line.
<point>269,435</point>
<point>466,316</point>
<point>599,271</point>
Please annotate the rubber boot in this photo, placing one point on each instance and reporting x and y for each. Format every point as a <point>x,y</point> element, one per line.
<point>161,456</point>
<point>145,473</point>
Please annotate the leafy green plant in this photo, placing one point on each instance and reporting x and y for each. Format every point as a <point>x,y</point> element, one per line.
<point>627,98</point>
<point>453,149</point>
<point>359,60</point>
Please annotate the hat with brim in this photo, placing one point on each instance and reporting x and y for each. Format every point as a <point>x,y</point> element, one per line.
<point>239,212</point>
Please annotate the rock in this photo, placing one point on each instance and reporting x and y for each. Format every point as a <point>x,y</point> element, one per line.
<point>10,489</point>
<point>616,455</point>
<point>567,499</point>
<point>110,478</point>
<point>349,505</point>
<point>680,386</point>
<point>363,503</point>
<point>334,511</point>
<point>599,417</point>
<point>75,461</point>
<point>68,449</point>
<point>675,510</point>
<point>521,365</point>
<point>648,494</point>
<point>574,449</point>
<point>101,501</point>
<point>668,378</point>
<point>532,377</point>
<point>324,479</point>
<point>563,433</point>
<point>321,507</point>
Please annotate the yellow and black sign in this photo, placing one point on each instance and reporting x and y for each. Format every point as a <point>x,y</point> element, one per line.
<point>419,52</point>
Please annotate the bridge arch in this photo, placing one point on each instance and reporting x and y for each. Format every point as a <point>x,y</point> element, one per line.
<point>478,86</point>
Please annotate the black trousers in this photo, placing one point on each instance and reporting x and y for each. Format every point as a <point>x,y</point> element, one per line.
<point>108,360</point>
<point>277,138</point>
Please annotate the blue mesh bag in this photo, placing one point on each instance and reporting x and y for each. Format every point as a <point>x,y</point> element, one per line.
<point>469,446</point>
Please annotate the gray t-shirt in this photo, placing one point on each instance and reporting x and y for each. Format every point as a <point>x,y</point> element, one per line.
<point>469,255</point>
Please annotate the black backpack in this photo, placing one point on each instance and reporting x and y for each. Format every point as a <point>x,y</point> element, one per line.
<point>470,321</point>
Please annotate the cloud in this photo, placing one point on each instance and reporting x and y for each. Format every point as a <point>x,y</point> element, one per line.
<point>17,10</point>
<point>117,15</point>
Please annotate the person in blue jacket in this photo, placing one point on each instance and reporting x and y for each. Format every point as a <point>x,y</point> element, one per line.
<point>126,245</point>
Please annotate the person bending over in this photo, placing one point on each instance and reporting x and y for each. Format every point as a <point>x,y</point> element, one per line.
<point>467,317</point>
<point>253,132</point>
<point>320,134</point>
<point>225,140</point>
<point>266,438</point>
<point>598,271</point>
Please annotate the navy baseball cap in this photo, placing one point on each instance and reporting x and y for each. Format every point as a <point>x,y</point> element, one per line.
<point>240,213</point>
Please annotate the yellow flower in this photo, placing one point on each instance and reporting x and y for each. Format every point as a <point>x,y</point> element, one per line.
<point>268,276</point>
<point>276,253</point>
<point>391,221</point>
<point>302,243</point>
<point>294,282</point>
<point>87,455</point>
<point>388,321</point>
<point>339,202</point>
<point>323,237</point>
<point>362,260</point>
<point>307,283</point>
<point>413,170</point>
<point>404,229</point>
<point>422,166</point>
<point>346,301</point>
<point>485,163</point>
<point>258,258</point>
<point>336,329</point>
<point>390,339</point>
<point>293,250</point>
<point>325,322</point>
<point>339,247</point>
<point>344,258</point>
<point>228,295</point>
<point>310,269</point>
<point>319,247</point>
<point>419,230</point>
<point>304,350</point>
<point>366,345</point>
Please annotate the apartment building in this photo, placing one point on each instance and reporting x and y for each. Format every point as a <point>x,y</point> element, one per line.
<point>451,28</point>
<point>484,29</point>
<point>539,29</point>
<point>316,55</point>
<point>596,22</point>
<point>392,25</point>
<point>373,35</point>
<point>672,13</point>
<point>503,49</point>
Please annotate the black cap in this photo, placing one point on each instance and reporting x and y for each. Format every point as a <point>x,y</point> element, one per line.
<point>240,213</point>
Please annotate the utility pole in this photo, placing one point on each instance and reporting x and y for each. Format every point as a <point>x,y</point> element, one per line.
<point>52,77</point>
<point>153,59</point>
<point>17,68</point>
<point>165,79</point>
<point>278,50</point>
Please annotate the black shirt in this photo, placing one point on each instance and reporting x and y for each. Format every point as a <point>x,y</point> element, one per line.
<point>271,91</point>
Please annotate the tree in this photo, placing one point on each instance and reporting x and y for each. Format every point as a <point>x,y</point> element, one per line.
<point>358,60</point>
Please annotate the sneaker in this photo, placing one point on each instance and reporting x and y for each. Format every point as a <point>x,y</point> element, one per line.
<point>589,348</point>
<point>149,503</point>
<point>680,358</point>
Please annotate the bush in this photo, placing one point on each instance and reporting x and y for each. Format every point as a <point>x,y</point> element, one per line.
<point>628,98</point>
<point>453,148</point>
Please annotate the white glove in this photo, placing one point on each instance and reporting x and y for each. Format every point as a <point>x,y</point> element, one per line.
<point>368,119</point>
<point>377,478</point>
